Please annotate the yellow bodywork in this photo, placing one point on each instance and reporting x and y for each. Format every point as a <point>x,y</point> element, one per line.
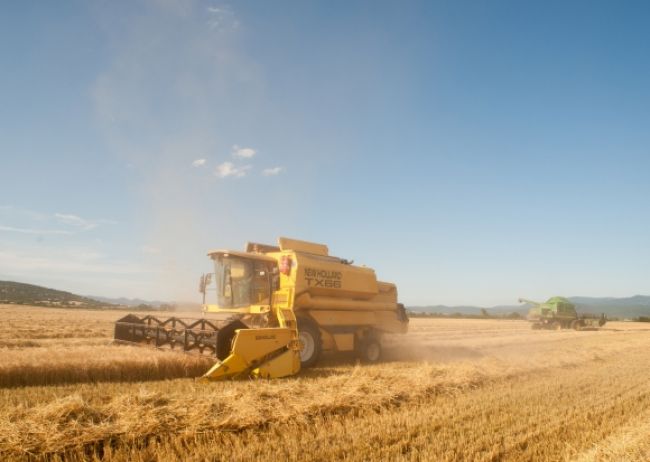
<point>345,301</point>
<point>265,353</point>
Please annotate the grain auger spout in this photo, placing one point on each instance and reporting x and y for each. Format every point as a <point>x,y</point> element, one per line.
<point>285,305</point>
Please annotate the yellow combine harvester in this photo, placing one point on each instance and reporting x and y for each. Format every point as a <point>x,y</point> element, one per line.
<point>287,304</point>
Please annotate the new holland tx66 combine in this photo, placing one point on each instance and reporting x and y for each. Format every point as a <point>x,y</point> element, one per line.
<point>285,306</point>
<point>558,313</point>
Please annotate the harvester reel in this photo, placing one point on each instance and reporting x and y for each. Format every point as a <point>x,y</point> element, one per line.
<point>202,336</point>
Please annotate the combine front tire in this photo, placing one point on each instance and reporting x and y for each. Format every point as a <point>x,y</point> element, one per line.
<point>225,337</point>
<point>310,340</point>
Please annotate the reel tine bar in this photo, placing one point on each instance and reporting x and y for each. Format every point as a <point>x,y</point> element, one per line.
<point>192,335</point>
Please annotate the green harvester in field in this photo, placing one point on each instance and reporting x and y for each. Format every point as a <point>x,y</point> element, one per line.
<point>559,313</point>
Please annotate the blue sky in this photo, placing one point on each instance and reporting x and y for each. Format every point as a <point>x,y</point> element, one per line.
<point>471,152</point>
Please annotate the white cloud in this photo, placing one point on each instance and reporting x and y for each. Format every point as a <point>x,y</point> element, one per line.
<point>229,169</point>
<point>198,163</point>
<point>272,171</point>
<point>244,153</point>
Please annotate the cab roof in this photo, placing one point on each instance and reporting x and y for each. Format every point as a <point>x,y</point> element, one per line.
<point>236,253</point>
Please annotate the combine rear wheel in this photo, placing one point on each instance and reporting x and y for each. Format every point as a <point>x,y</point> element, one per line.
<point>369,350</point>
<point>310,340</point>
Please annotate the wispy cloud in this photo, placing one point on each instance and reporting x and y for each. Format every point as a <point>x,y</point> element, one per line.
<point>65,260</point>
<point>75,221</point>
<point>222,18</point>
<point>23,221</point>
<point>243,153</point>
<point>31,214</point>
<point>198,162</point>
<point>272,171</point>
<point>80,223</point>
<point>150,250</point>
<point>11,229</point>
<point>229,169</point>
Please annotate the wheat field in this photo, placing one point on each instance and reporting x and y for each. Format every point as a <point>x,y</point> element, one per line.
<point>451,389</point>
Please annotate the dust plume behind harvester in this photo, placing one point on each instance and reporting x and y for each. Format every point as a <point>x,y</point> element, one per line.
<point>559,313</point>
<point>286,304</point>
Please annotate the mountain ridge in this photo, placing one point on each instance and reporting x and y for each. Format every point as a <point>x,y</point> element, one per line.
<point>31,294</point>
<point>620,307</point>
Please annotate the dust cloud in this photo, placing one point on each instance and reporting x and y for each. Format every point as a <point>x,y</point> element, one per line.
<point>510,345</point>
<point>407,348</point>
<point>164,101</point>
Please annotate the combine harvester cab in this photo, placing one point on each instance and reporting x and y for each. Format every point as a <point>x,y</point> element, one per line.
<point>285,304</point>
<point>559,313</point>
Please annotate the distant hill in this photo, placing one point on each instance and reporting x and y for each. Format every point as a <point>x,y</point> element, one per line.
<point>29,294</point>
<point>626,307</point>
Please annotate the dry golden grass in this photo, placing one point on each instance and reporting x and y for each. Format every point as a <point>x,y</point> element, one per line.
<point>100,363</point>
<point>450,390</point>
<point>34,323</point>
<point>47,346</point>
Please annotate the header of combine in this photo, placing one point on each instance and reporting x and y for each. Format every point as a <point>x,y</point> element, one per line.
<point>288,303</point>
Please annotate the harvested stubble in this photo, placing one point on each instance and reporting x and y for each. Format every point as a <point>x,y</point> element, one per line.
<point>406,411</point>
<point>473,390</point>
<point>135,412</point>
